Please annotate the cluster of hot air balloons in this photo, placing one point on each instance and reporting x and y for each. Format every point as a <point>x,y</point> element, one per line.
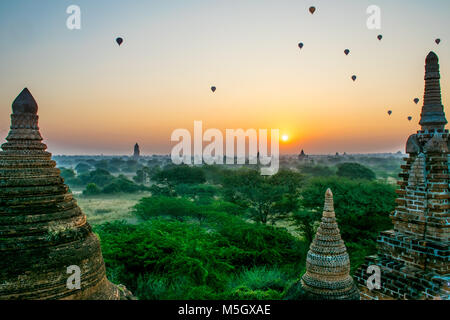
<point>416,101</point>
<point>312,10</point>
<point>390,112</point>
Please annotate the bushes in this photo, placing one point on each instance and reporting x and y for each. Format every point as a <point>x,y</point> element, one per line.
<point>259,283</point>
<point>177,208</point>
<point>161,259</point>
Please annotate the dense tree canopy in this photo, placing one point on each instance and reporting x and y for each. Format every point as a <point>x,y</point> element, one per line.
<point>355,171</point>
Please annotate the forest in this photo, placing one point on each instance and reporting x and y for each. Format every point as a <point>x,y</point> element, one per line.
<point>216,232</point>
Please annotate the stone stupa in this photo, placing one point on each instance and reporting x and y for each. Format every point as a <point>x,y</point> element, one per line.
<point>42,229</point>
<point>327,274</point>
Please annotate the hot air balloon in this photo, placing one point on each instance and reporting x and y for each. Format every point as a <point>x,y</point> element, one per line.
<point>354,78</point>
<point>437,41</point>
<point>312,10</point>
<point>409,118</point>
<point>346,51</point>
<point>380,37</point>
<point>416,100</point>
<point>213,89</point>
<point>389,112</point>
<point>300,45</point>
<point>119,41</point>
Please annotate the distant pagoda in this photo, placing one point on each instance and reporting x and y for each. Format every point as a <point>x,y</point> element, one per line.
<point>414,257</point>
<point>42,229</point>
<point>137,152</point>
<point>327,274</point>
<point>302,155</point>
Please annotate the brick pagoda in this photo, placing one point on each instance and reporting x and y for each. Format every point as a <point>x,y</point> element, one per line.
<point>414,257</point>
<point>327,274</point>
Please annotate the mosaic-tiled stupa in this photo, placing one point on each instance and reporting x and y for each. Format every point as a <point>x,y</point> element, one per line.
<point>413,258</point>
<point>327,274</point>
<point>42,229</point>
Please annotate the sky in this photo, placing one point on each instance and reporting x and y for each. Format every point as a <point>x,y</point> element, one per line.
<point>95,97</point>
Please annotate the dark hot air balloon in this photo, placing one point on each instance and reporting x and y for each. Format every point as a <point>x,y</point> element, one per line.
<point>346,51</point>
<point>416,100</point>
<point>354,78</point>
<point>312,10</point>
<point>119,41</point>
<point>389,112</point>
<point>300,45</point>
<point>409,118</point>
<point>380,37</point>
<point>213,89</point>
<point>437,41</point>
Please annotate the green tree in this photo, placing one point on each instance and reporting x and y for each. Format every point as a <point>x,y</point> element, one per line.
<point>67,173</point>
<point>142,175</point>
<point>267,199</point>
<point>355,171</point>
<point>91,190</point>
<point>306,221</point>
<point>122,184</point>
<point>100,177</point>
<point>316,171</point>
<point>174,175</point>
<point>82,168</point>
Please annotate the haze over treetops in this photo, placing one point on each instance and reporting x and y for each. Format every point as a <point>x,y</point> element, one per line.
<point>96,97</point>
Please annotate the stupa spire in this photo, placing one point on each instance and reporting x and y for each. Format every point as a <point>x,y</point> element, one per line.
<point>327,274</point>
<point>42,229</point>
<point>432,116</point>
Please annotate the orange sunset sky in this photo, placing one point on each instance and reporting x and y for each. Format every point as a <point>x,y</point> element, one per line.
<point>98,98</point>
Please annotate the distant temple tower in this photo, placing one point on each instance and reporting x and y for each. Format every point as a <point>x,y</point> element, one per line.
<point>302,155</point>
<point>327,274</point>
<point>414,257</point>
<point>137,152</point>
<point>304,158</point>
<point>43,232</point>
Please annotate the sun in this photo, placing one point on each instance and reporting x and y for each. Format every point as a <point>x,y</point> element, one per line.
<point>284,138</point>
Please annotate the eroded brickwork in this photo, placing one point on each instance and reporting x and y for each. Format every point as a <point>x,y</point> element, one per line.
<point>42,229</point>
<point>414,257</point>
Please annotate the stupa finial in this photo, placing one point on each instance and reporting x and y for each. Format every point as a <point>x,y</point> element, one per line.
<point>329,204</point>
<point>25,103</point>
<point>432,116</point>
